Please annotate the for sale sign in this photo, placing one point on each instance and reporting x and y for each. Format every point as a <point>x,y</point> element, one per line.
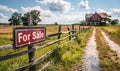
<point>25,36</point>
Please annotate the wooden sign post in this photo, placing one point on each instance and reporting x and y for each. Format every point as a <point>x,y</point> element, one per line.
<point>73,30</point>
<point>30,46</point>
<point>28,36</point>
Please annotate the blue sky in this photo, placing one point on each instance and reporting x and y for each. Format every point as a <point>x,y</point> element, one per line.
<point>61,11</point>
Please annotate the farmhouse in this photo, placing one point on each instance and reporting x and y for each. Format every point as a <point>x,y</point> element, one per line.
<point>96,18</point>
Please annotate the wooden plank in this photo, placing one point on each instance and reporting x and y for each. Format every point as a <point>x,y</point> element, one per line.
<point>55,34</point>
<point>5,47</point>
<point>2,58</point>
<point>52,42</point>
<point>44,66</point>
<point>65,32</point>
<point>36,61</point>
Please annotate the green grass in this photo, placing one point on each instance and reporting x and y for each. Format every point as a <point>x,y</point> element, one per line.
<point>5,41</point>
<point>107,57</point>
<point>113,32</point>
<point>14,63</point>
<point>68,55</point>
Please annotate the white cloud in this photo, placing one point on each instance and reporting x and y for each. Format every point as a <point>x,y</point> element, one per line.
<point>115,12</point>
<point>63,18</point>
<point>99,10</point>
<point>28,9</point>
<point>56,5</point>
<point>45,13</point>
<point>112,11</point>
<point>84,4</point>
<point>3,18</point>
<point>7,9</point>
<point>50,17</point>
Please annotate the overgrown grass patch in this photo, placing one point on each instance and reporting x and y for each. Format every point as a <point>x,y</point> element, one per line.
<point>107,57</point>
<point>68,55</point>
<point>5,41</point>
<point>113,32</point>
<point>64,57</point>
<point>14,63</point>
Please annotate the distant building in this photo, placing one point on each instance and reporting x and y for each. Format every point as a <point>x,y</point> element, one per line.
<point>96,18</point>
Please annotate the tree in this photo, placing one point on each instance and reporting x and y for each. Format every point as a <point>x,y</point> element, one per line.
<point>83,22</point>
<point>56,23</point>
<point>102,24</point>
<point>35,17</point>
<point>15,19</point>
<point>109,20</point>
<point>114,22</point>
<point>25,19</point>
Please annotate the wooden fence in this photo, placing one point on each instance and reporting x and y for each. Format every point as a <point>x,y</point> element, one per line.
<point>30,65</point>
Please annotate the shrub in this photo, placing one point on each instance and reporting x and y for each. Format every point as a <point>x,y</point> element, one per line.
<point>118,32</point>
<point>68,55</point>
<point>78,39</point>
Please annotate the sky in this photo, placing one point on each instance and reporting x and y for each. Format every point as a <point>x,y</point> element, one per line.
<point>60,11</point>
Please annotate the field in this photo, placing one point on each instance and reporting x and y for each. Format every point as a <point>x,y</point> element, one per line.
<point>7,38</point>
<point>109,60</point>
<point>67,56</point>
<point>113,32</point>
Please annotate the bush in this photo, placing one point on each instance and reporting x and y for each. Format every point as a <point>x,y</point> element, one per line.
<point>68,55</point>
<point>118,32</point>
<point>78,39</point>
<point>103,24</point>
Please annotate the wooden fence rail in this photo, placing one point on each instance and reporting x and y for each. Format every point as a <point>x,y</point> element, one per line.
<point>71,36</point>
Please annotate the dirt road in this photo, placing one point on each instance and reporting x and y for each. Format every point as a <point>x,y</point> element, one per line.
<point>91,61</point>
<point>112,44</point>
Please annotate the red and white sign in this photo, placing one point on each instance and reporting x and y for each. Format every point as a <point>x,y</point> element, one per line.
<point>24,36</point>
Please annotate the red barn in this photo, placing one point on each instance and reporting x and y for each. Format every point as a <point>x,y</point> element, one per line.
<point>96,18</point>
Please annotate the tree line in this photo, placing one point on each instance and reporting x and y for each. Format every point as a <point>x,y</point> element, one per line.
<point>108,22</point>
<point>17,18</point>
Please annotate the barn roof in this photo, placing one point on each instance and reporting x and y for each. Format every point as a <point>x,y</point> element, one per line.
<point>88,15</point>
<point>103,15</point>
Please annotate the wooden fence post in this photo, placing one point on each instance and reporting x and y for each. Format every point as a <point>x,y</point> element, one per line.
<point>59,32</point>
<point>30,46</point>
<point>83,29</point>
<point>88,29</point>
<point>69,33</point>
<point>79,29</point>
<point>73,30</point>
<point>31,57</point>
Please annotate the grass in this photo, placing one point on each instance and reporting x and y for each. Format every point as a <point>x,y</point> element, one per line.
<point>108,58</point>
<point>113,32</point>
<point>69,55</point>
<point>12,64</point>
<point>5,41</point>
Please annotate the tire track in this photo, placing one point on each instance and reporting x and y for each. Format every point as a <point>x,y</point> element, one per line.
<point>91,61</point>
<point>111,43</point>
